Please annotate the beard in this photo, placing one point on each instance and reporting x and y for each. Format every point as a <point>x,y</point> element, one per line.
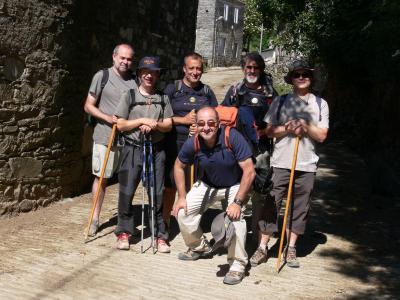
<point>251,79</point>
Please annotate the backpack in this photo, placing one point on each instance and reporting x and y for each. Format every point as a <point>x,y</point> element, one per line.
<point>205,91</point>
<point>282,100</point>
<point>92,121</point>
<point>228,118</point>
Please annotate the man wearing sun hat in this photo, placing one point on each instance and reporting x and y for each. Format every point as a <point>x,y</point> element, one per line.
<point>142,111</point>
<point>298,114</point>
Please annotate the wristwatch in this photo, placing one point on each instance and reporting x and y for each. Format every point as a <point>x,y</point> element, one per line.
<point>238,202</point>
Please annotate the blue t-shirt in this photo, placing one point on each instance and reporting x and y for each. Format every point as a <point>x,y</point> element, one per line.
<point>219,165</point>
<point>186,99</point>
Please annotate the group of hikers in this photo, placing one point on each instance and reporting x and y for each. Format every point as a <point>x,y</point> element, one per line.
<point>184,127</point>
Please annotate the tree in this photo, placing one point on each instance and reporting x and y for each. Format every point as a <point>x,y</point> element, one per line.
<point>252,21</point>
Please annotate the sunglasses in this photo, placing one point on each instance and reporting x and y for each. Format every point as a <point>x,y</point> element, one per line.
<point>252,67</point>
<point>303,75</point>
<point>210,123</point>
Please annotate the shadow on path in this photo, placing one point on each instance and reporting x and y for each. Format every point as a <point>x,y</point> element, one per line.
<point>344,206</point>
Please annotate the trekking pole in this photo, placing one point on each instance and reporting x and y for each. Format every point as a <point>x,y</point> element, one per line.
<point>191,170</point>
<point>191,175</point>
<point>152,195</point>
<point>144,181</point>
<point>96,198</point>
<point>289,197</point>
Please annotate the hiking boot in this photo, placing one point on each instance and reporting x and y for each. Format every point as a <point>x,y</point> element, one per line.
<point>190,254</point>
<point>123,241</point>
<point>233,277</point>
<point>94,228</point>
<point>162,246</point>
<point>290,257</point>
<point>258,257</point>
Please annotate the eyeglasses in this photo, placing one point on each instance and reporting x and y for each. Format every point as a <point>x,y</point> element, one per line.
<point>303,75</point>
<point>252,67</point>
<point>210,123</point>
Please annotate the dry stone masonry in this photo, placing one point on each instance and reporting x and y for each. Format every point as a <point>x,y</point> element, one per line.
<point>49,51</point>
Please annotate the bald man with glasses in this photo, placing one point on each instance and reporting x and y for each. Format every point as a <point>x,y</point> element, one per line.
<point>228,174</point>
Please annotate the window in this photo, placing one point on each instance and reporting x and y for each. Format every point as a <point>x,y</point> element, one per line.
<point>234,50</point>
<point>221,46</point>
<point>226,12</point>
<point>236,16</point>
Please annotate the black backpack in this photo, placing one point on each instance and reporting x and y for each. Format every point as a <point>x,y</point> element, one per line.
<point>92,121</point>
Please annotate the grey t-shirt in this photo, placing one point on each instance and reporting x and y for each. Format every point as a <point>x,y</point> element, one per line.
<point>109,100</point>
<point>296,108</point>
<point>145,107</point>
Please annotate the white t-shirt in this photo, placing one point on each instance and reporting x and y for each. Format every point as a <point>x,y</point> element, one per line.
<point>296,108</point>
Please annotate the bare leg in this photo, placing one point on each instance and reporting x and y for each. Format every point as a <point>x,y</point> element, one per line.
<point>263,239</point>
<point>291,237</point>
<point>101,196</point>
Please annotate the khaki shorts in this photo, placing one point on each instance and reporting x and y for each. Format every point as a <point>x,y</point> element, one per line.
<point>98,155</point>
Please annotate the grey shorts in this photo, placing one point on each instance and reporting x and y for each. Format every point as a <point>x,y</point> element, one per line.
<point>98,156</point>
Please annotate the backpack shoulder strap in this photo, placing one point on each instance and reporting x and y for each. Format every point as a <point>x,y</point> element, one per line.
<point>133,97</point>
<point>178,87</point>
<point>282,100</point>
<point>227,134</point>
<point>235,101</point>
<point>104,79</point>
<point>206,90</point>
<point>196,142</point>
<point>319,101</point>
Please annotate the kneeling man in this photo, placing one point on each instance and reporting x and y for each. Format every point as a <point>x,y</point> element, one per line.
<point>228,173</point>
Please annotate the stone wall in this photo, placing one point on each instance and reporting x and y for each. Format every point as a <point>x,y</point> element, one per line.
<point>49,51</point>
<point>227,35</point>
<point>205,29</point>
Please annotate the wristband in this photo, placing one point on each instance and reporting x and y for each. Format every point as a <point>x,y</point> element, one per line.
<point>238,202</point>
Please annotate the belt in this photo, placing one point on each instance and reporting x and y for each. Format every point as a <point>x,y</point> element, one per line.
<point>137,144</point>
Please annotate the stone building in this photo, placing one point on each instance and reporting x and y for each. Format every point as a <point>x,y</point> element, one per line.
<point>49,51</point>
<point>219,32</point>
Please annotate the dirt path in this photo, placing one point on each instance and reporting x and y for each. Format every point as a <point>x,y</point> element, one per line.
<point>349,251</point>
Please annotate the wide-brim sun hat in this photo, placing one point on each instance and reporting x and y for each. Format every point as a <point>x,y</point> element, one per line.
<point>222,230</point>
<point>296,65</point>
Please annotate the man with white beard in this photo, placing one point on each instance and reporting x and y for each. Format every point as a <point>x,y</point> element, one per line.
<point>252,96</point>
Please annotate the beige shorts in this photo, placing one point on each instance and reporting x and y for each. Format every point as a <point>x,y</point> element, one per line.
<point>98,155</point>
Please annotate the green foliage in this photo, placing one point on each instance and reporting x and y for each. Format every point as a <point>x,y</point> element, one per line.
<point>283,88</point>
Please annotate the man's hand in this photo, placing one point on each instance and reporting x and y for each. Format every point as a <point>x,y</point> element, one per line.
<point>150,123</point>
<point>190,118</point>
<point>144,129</point>
<point>181,203</point>
<point>192,129</point>
<point>233,211</point>
<point>111,119</point>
